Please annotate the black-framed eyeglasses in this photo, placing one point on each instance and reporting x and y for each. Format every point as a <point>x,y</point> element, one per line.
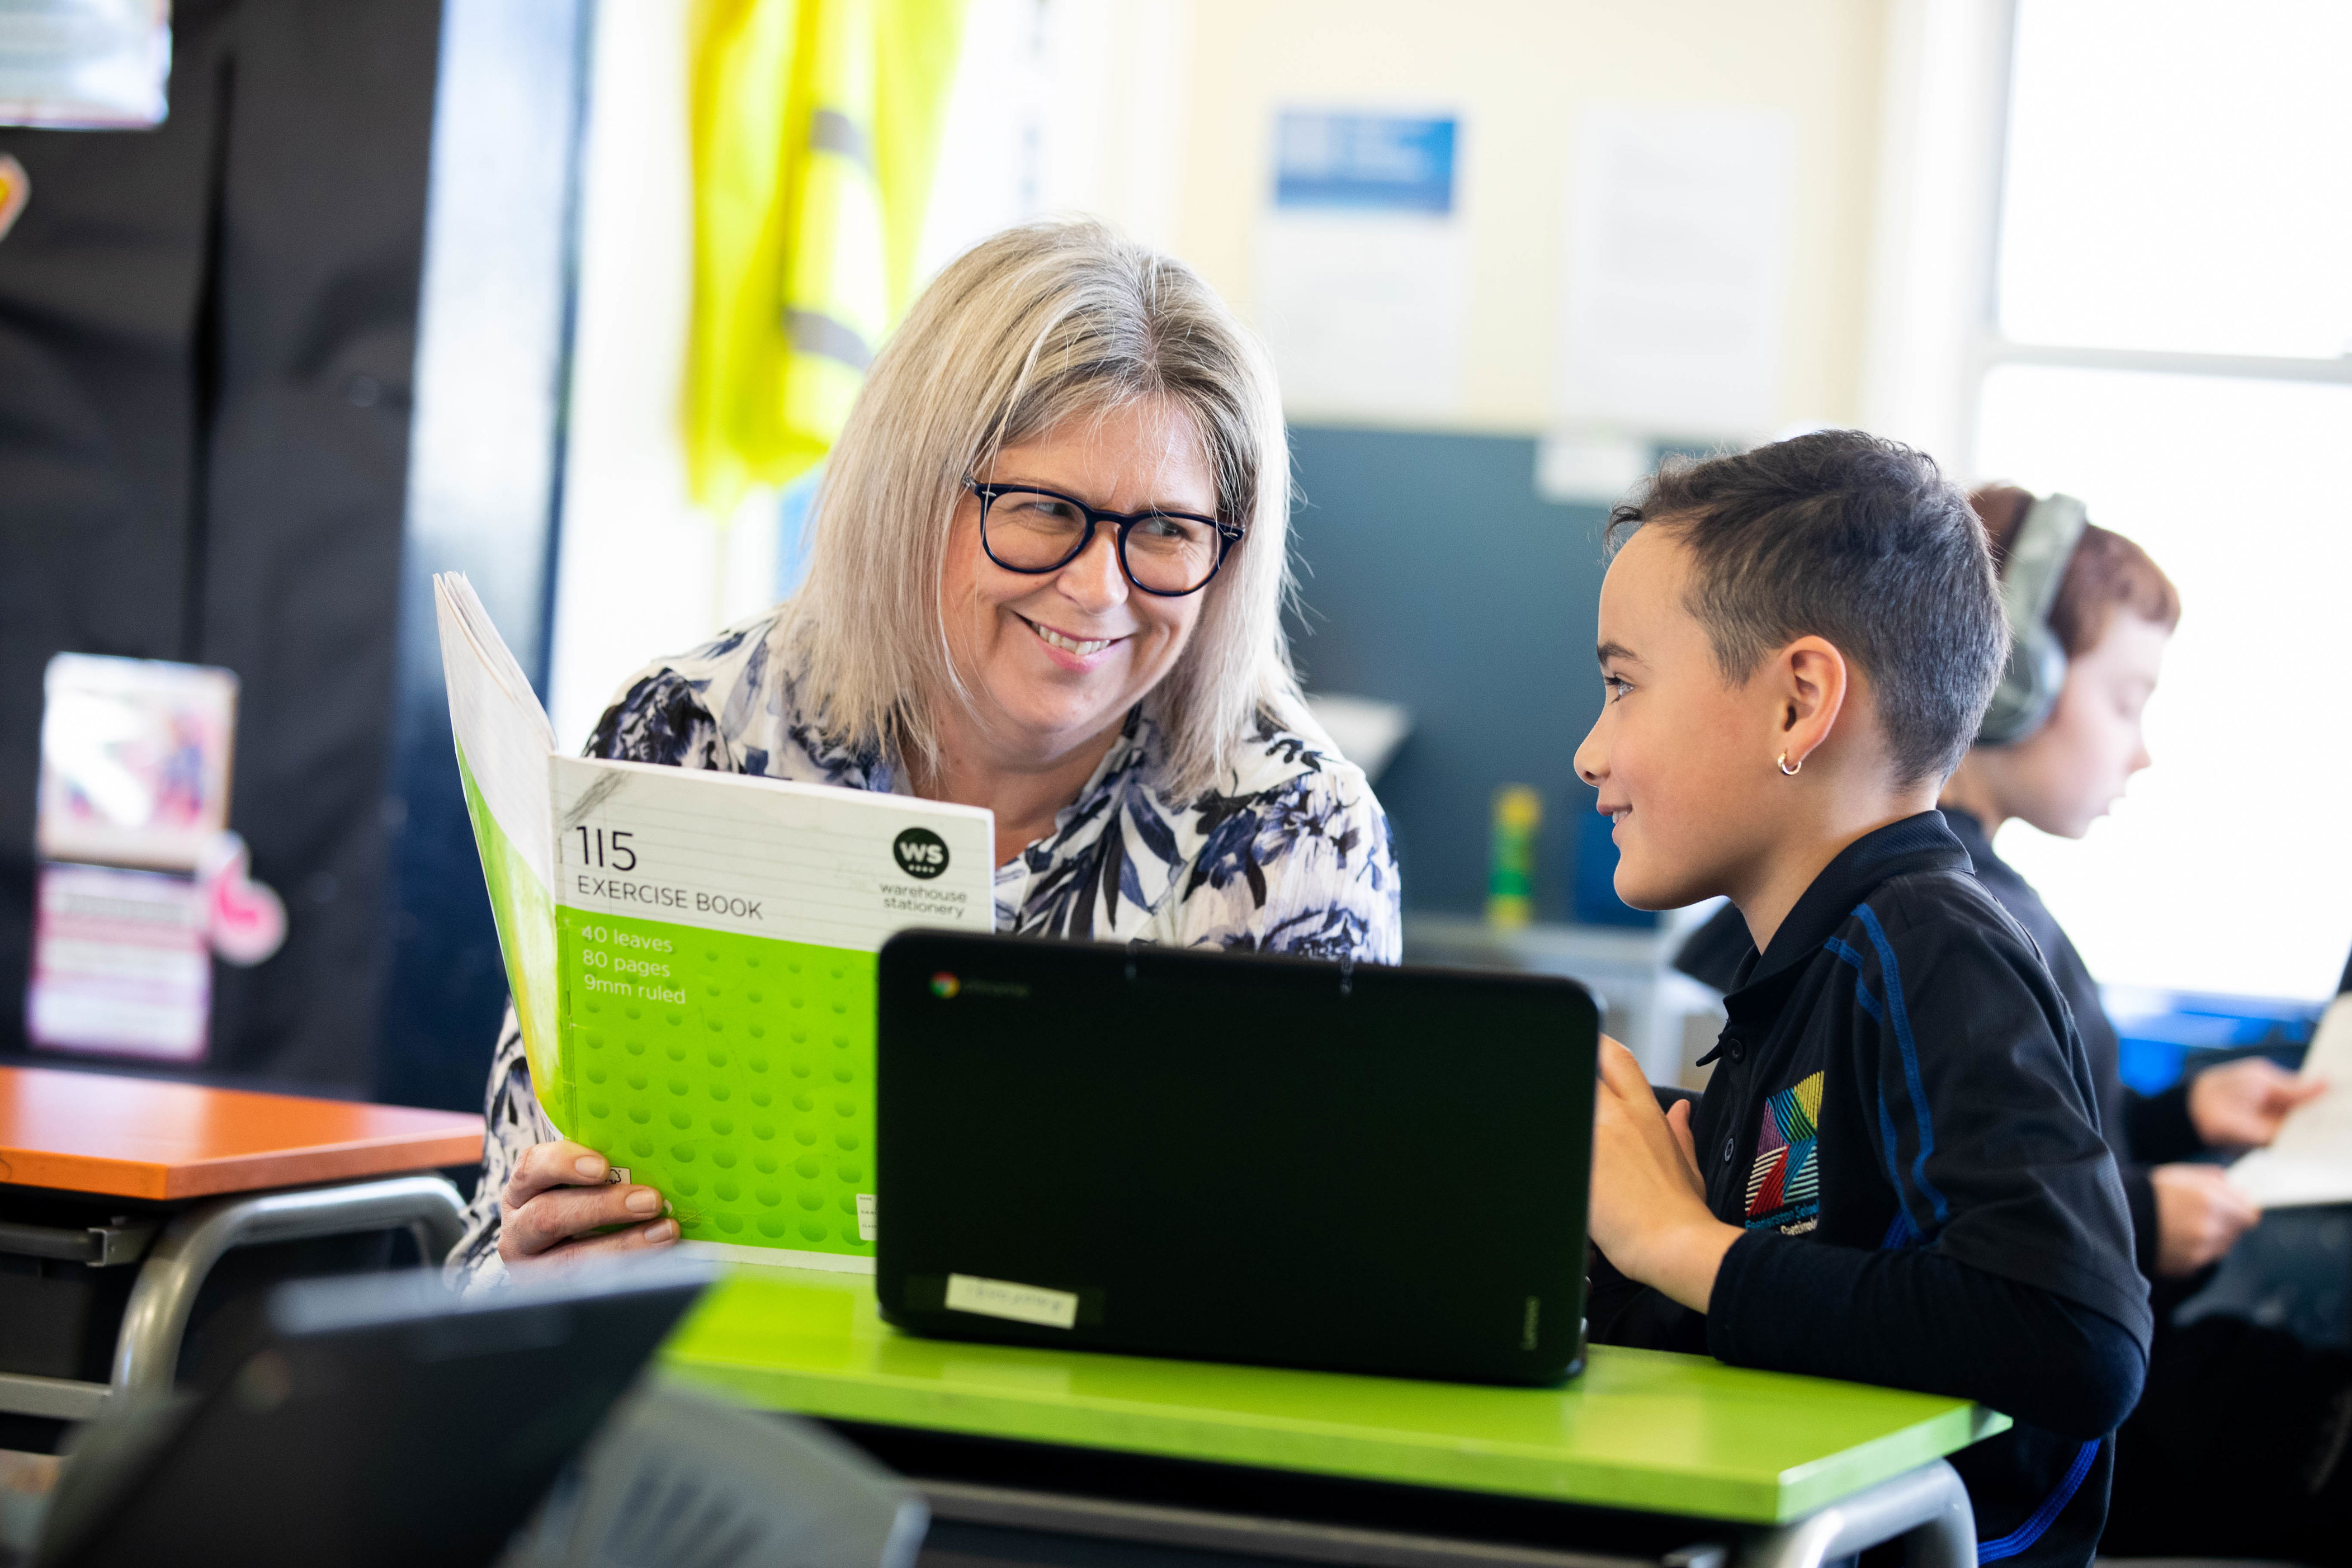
<point>1034,532</point>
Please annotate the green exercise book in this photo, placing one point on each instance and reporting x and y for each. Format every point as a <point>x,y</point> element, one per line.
<point>692,956</point>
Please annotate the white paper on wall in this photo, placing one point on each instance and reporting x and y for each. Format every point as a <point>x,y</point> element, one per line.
<point>1363,282</point>
<point>1673,304</point>
<point>135,761</point>
<point>86,65</point>
<point>121,963</point>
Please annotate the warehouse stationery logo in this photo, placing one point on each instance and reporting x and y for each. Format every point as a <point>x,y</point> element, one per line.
<point>921,853</point>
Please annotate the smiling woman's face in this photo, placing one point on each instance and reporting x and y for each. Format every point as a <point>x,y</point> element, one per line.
<point>1054,660</point>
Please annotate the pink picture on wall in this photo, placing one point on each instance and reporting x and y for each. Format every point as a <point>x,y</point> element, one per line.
<point>134,761</point>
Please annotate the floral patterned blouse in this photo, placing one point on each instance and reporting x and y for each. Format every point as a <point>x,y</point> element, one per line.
<point>1290,854</point>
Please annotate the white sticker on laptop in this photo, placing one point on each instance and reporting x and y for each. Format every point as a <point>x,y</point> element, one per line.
<point>866,1217</point>
<point>1021,1303</point>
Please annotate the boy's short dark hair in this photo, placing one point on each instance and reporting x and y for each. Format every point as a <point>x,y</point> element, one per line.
<point>1840,534</point>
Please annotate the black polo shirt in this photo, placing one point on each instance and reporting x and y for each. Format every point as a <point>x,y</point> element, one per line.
<point>1903,1120</point>
<point>2142,1130</point>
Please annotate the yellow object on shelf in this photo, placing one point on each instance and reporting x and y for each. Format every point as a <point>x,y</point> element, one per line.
<point>816,128</point>
<point>1511,872</point>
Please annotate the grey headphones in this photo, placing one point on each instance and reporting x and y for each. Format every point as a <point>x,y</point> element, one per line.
<point>2030,575</point>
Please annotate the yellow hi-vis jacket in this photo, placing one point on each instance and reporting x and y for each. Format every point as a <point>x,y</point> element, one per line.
<point>815,131</point>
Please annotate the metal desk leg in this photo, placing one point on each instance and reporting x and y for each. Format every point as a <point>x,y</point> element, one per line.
<point>156,1318</point>
<point>1928,1505</point>
<point>1220,1537</point>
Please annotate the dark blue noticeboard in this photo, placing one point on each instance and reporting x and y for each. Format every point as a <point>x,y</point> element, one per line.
<point>1433,575</point>
<point>1379,163</point>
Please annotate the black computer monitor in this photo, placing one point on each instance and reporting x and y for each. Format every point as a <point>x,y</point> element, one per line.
<point>381,1419</point>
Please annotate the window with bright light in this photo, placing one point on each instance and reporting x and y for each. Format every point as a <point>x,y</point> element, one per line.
<point>2181,177</point>
<point>2170,342</point>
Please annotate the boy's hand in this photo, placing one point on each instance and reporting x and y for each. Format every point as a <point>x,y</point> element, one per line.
<point>2199,1217</point>
<point>1649,1203</point>
<point>2240,1104</point>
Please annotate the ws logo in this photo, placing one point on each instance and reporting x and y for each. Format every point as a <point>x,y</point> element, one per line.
<point>921,853</point>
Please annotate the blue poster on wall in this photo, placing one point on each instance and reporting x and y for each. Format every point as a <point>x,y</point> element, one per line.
<point>1364,285</point>
<point>1377,162</point>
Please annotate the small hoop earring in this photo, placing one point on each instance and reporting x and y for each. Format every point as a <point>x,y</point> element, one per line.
<point>1786,768</point>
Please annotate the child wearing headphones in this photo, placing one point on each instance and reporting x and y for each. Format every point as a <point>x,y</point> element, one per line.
<point>2239,1447</point>
<point>1896,1174</point>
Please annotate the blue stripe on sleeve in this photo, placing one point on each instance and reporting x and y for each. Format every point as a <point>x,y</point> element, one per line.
<point>1869,1005</point>
<point>1897,1016</point>
<point>1894,1160</point>
<point>2026,1534</point>
<point>1861,988</point>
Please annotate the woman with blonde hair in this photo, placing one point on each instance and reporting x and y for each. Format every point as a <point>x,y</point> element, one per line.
<point>1046,577</point>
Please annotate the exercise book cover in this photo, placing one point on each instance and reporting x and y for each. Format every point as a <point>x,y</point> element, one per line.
<point>692,956</point>
<point>716,938</point>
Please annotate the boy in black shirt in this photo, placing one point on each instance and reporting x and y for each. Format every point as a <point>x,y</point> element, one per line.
<point>1896,1174</point>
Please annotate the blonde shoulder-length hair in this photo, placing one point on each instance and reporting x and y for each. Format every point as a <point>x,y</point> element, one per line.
<point>1028,330</point>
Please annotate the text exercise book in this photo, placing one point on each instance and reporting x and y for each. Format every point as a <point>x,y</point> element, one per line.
<point>692,956</point>
<point>1235,1156</point>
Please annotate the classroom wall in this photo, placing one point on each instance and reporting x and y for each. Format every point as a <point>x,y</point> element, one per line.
<point>1520,71</point>
<point>1183,162</point>
<point>1432,574</point>
<point>1434,570</point>
<point>1436,575</point>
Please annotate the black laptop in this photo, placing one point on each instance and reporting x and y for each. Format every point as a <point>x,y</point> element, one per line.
<point>1234,1156</point>
<point>381,1420</point>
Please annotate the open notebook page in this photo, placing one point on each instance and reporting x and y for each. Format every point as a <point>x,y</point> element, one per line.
<point>504,741</point>
<point>2310,1161</point>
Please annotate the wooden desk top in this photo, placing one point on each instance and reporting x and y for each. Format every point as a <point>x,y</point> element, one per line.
<point>143,1138</point>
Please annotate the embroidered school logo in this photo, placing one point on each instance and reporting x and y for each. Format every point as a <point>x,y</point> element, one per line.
<point>1784,1185</point>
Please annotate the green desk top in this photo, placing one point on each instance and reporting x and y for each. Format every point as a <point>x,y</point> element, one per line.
<point>1640,1429</point>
